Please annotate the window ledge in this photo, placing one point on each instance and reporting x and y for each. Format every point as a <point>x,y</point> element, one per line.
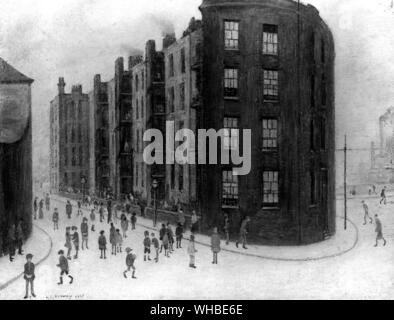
<point>271,208</point>
<point>231,49</point>
<point>230,207</point>
<point>232,98</point>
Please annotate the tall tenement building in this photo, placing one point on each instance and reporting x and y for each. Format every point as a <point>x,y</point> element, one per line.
<point>69,140</point>
<point>268,66</point>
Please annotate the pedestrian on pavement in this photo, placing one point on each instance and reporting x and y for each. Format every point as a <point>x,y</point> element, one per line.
<point>79,210</point>
<point>156,246</point>
<point>181,217</point>
<point>41,209</point>
<point>383,196</point>
<point>374,189</point>
<point>179,235</point>
<point>101,212</point>
<point>379,231</point>
<point>11,241</point>
<point>243,232</point>
<point>142,206</point>
<point>64,269</point>
<point>116,214</point>
<point>102,242</point>
<point>112,239</point>
<point>69,209</point>
<point>130,259</point>
<point>227,228</point>
<point>119,241</point>
<point>124,224</point>
<point>191,250</point>
<point>194,221</point>
<point>19,236</point>
<point>47,202</point>
<point>85,232</point>
<point>75,239</point>
<point>366,213</point>
<point>170,234</point>
<point>165,244</point>
<point>92,218</point>
<point>162,232</point>
<point>55,219</point>
<point>133,220</point>
<point>215,245</point>
<point>35,207</point>
<point>29,275</point>
<point>147,243</point>
<point>68,244</point>
<point>109,210</point>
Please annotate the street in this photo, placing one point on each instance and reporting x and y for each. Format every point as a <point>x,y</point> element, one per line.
<point>365,272</point>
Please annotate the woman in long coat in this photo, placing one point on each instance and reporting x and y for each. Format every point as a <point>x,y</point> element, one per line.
<point>68,243</point>
<point>35,207</point>
<point>215,245</point>
<point>124,224</point>
<point>112,239</point>
<point>41,210</point>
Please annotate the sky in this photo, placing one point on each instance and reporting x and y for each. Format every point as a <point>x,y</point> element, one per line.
<point>77,39</point>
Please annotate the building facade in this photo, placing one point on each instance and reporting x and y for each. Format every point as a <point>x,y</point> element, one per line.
<point>69,114</point>
<point>268,66</point>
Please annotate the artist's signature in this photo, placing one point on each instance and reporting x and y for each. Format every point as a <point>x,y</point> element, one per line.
<point>65,297</point>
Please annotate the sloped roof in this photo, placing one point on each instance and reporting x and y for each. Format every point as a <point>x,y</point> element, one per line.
<point>8,74</point>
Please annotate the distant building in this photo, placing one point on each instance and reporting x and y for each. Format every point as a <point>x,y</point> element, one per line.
<point>69,140</point>
<point>16,185</point>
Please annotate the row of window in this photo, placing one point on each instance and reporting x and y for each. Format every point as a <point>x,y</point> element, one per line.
<point>181,97</point>
<point>75,179</point>
<point>182,63</point>
<point>137,83</point>
<point>139,177</point>
<point>74,160</point>
<point>70,136</point>
<point>70,112</point>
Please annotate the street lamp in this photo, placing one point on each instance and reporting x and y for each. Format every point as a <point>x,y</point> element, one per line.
<point>155,185</point>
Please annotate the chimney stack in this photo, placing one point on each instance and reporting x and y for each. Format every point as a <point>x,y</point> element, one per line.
<point>168,40</point>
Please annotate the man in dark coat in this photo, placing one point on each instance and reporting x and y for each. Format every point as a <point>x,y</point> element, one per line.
<point>29,275</point>
<point>109,209</point>
<point>11,242</point>
<point>75,239</point>
<point>19,236</point>
<point>85,232</point>
<point>64,269</point>
<point>379,231</point>
<point>69,209</point>
<point>243,232</point>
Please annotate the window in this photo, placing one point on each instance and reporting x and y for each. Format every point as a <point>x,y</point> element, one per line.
<point>230,82</point>
<point>65,178</point>
<point>79,134</point>
<point>231,140</point>
<point>270,84</point>
<point>137,109</point>
<point>66,157</point>
<point>182,96</point>
<point>229,189</point>
<point>171,98</point>
<point>270,188</point>
<point>66,134</point>
<point>136,82</point>
<point>80,156</point>
<point>312,175</point>
<point>72,135</point>
<point>180,178</point>
<point>323,90</point>
<point>183,60</point>
<point>142,107</point>
<point>172,176</point>
<point>137,173</point>
<point>322,134</point>
<point>270,39</point>
<point>80,109</point>
<point>73,159</point>
<point>270,134</point>
<point>171,64</point>
<point>312,135</point>
<point>231,35</point>
<point>312,91</point>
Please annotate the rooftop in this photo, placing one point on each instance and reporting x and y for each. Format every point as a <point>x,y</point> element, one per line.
<point>8,74</point>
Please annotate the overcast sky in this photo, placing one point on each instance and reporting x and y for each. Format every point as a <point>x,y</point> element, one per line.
<point>76,39</point>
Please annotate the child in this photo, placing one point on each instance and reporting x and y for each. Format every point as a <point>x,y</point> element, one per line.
<point>124,224</point>
<point>75,241</point>
<point>179,235</point>
<point>165,245</point>
<point>130,258</point>
<point>191,250</point>
<point>55,219</point>
<point>102,241</point>
<point>85,232</point>
<point>68,243</point>
<point>63,265</point>
<point>101,212</point>
<point>215,245</point>
<point>133,220</point>
<point>29,275</point>
<point>155,244</point>
<point>92,218</point>
<point>112,239</point>
<point>163,231</point>
<point>119,241</point>
<point>79,211</point>
<point>147,244</point>
<point>170,237</point>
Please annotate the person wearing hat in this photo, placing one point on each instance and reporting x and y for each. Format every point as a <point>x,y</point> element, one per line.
<point>55,219</point>
<point>64,269</point>
<point>35,207</point>
<point>130,258</point>
<point>102,242</point>
<point>85,232</point>
<point>75,239</point>
<point>29,275</point>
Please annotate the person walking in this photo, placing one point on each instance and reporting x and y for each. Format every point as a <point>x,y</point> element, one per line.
<point>35,207</point>
<point>29,275</point>
<point>19,236</point>
<point>41,209</point>
<point>162,232</point>
<point>379,231</point>
<point>366,213</point>
<point>85,232</point>
<point>383,196</point>
<point>179,235</point>
<point>47,202</point>
<point>92,218</point>
<point>194,221</point>
<point>147,243</point>
<point>101,212</point>
<point>156,246</point>
<point>109,210</point>
<point>243,232</point>
<point>191,250</point>
<point>112,239</point>
<point>227,228</point>
<point>64,268</point>
<point>124,225</point>
<point>55,219</point>
<point>68,244</point>
<point>215,245</point>
<point>170,234</point>
<point>11,241</point>
<point>119,241</point>
<point>133,220</point>
<point>130,259</point>
<point>69,209</point>
<point>181,217</point>
<point>102,242</point>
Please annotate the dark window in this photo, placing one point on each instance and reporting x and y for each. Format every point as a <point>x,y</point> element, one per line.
<point>322,134</point>
<point>231,35</point>
<point>142,107</point>
<point>172,176</point>
<point>137,109</point>
<point>231,136</point>
<point>312,175</point>
<point>229,189</point>
<point>80,156</point>
<point>271,84</point>
<point>136,83</point>
<point>72,135</point>
<point>66,178</point>
<point>323,51</point>
<point>312,91</point>
<point>182,96</point>
<point>270,188</point>
<point>312,134</point>
<point>323,90</point>
<point>230,82</point>
<point>270,39</point>
<point>171,99</point>
<point>183,60</point>
<point>269,134</point>
<point>73,159</point>
<point>180,178</point>
<point>66,157</point>
<point>171,65</point>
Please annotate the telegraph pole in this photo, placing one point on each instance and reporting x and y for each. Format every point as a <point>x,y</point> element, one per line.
<point>344,177</point>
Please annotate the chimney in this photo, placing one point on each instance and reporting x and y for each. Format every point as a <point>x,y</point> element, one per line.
<point>77,89</point>
<point>61,85</point>
<point>134,60</point>
<point>168,40</point>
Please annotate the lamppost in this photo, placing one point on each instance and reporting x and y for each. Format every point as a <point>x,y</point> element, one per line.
<point>155,185</point>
